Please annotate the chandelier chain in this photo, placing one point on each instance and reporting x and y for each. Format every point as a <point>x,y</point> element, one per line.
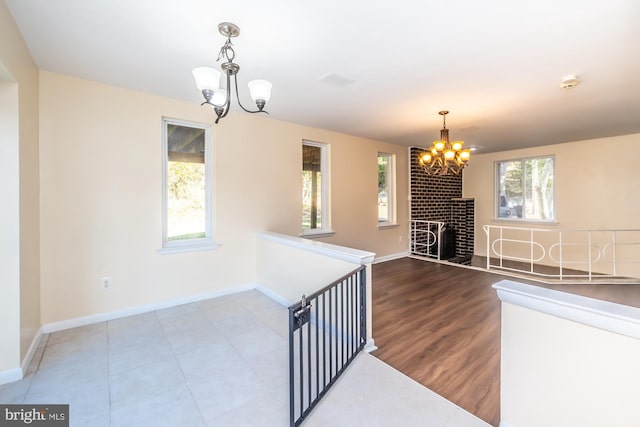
<point>224,51</point>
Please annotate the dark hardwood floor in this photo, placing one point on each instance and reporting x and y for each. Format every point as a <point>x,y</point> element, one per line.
<point>440,325</point>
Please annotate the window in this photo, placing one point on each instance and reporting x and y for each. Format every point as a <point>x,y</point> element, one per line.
<point>187,185</point>
<point>386,189</point>
<point>315,188</point>
<point>525,189</point>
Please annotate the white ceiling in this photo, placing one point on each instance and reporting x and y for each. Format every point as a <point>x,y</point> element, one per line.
<point>495,64</point>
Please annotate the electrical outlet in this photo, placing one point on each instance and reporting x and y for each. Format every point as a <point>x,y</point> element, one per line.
<point>105,283</point>
<point>400,238</point>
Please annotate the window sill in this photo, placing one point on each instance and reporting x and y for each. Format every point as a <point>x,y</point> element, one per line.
<point>311,234</point>
<point>199,247</point>
<point>385,225</point>
<point>524,221</point>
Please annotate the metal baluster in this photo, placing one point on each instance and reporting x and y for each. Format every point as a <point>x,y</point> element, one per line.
<point>331,336</point>
<point>292,416</point>
<point>363,302</point>
<point>324,345</point>
<point>301,348</point>
<point>353,279</point>
<point>342,321</point>
<point>317,349</point>
<point>309,360</point>
<point>348,331</point>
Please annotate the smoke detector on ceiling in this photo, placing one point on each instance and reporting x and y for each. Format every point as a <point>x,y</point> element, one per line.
<point>569,81</point>
<point>336,80</point>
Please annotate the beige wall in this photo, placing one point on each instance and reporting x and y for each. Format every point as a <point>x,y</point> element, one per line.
<point>289,271</point>
<point>100,153</point>
<point>596,185</point>
<point>354,172</point>
<point>290,268</point>
<point>9,228</point>
<point>20,294</point>
<point>556,372</point>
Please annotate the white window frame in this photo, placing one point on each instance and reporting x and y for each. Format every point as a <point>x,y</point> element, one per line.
<point>391,189</point>
<point>325,155</point>
<point>189,245</point>
<point>496,204</point>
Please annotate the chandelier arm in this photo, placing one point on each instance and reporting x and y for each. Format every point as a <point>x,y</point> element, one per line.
<point>235,76</point>
<point>227,104</point>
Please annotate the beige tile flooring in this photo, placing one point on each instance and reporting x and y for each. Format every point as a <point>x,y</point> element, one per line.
<point>217,362</point>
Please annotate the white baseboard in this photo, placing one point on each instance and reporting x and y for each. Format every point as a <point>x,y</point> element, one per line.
<point>274,296</point>
<point>112,315</point>
<point>370,345</point>
<point>10,375</point>
<point>35,342</point>
<point>16,374</point>
<point>390,257</point>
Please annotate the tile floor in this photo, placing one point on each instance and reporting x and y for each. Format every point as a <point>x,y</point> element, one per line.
<point>217,362</point>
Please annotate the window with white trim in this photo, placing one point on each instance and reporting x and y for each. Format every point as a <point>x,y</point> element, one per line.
<point>315,188</point>
<point>187,185</point>
<point>386,189</point>
<point>525,189</point>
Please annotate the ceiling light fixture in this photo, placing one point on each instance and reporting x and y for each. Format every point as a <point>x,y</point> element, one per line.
<point>208,79</point>
<point>569,82</point>
<point>444,157</point>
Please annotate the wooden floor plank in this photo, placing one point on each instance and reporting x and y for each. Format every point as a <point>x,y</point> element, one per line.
<point>440,325</point>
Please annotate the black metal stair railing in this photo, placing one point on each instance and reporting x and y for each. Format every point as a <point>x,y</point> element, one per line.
<point>326,331</point>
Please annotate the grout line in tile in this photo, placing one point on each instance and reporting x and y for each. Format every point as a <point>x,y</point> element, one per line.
<point>253,370</point>
<point>182,374</point>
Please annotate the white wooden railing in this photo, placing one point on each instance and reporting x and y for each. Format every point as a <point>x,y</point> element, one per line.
<point>426,238</point>
<point>564,254</point>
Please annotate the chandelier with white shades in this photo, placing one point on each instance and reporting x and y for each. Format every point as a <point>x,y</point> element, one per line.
<point>208,79</point>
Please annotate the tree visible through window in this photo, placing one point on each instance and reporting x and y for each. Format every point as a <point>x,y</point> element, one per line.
<point>187,183</point>
<point>386,197</point>
<point>315,216</point>
<point>525,189</point>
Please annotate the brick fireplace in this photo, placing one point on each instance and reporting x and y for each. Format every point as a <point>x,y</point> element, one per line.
<point>439,198</point>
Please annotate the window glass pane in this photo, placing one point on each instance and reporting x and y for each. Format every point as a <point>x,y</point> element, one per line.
<point>525,189</point>
<point>186,192</point>
<point>384,205</point>
<point>511,190</point>
<point>539,188</point>
<point>311,187</point>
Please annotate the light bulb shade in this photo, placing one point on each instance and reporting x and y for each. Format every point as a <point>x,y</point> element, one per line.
<point>449,154</point>
<point>206,78</point>
<point>444,157</point>
<point>219,97</point>
<point>425,158</point>
<point>457,145</point>
<point>260,89</point>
